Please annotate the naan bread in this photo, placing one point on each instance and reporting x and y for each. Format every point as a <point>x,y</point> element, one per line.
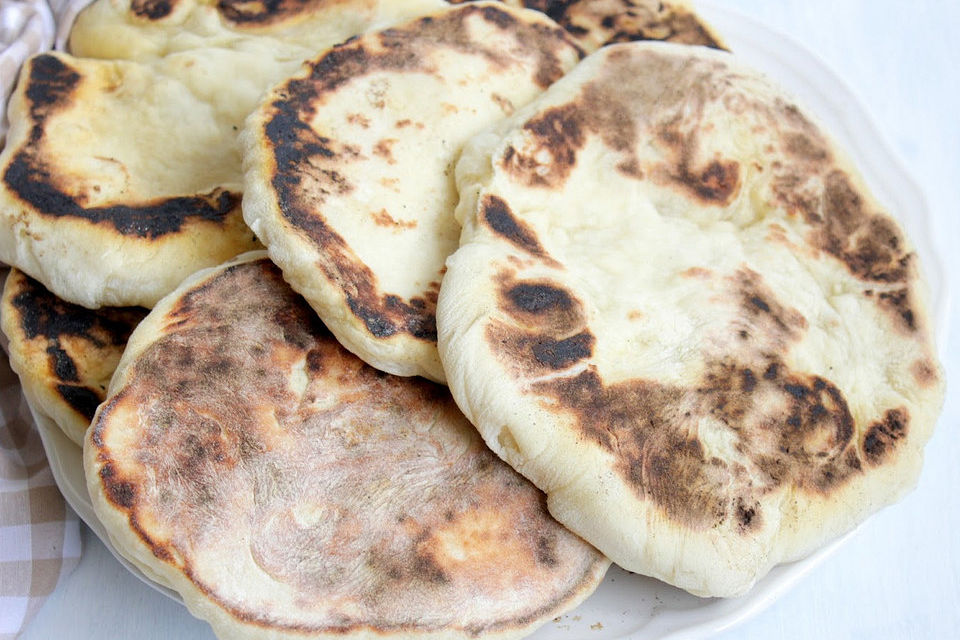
<point>287,490</point>
<point>349,177</point>
<point>63,353</point>
<point>679,311</point>
<point>117,182</point>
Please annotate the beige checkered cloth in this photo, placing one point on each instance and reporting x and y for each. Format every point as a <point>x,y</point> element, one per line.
<point>39,533</point>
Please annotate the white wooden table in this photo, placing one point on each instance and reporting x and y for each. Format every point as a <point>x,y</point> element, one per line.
<point>900,576</point>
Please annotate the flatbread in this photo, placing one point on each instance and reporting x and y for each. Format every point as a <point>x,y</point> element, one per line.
<point>287,490</point>
<point>678,309</point>
<point>117,182</point>
<point>63,353</point>
<point>349,177</point>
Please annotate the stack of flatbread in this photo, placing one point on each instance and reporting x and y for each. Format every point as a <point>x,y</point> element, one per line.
<point>679,333</point>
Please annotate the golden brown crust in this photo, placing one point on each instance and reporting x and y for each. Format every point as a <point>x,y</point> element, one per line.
<point>368,496</point>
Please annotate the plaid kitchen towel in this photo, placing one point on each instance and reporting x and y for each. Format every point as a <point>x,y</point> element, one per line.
<point>39,533</point>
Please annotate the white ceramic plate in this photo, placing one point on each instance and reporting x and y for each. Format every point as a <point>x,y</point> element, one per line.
<point>626,605</point>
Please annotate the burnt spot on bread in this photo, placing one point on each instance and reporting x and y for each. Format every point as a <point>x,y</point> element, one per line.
<point>152,9</point>
<point>539,299</point>
<point>50,86</point>
<point>867,242</point>
<point>807,180</point>
<point>262,13</point>
<point>358,119</point>
<point>548,329</point>
<point>542,304</point>
<point>66,341</point>
<point>760,308</point>
<point>714,182</point>
<point>748,517</point>
<point>530,353</point>
<point>631,421</point>
<point>557,135</point>
<point>560,354</point>
<point>505,104</point>
<point>697,272</point>
<point>899,308</point>
<point>122,494</point>
<point>32,176</point>
<point>817,429</point>
<point>300,445</point>
<point>806,147</point>
<point>882,437</point>
<point>83,400</point>
<point>546,551</point>
<point>597,23</point>
<point>425,567</point>
<point>496,213</point>
<point>62,364</point>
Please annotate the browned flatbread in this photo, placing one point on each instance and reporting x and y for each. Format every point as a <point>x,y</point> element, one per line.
<point>91,209</point>
<point>288,490</point>
<point>678,309</point>
<point>63,353</point>
<point>350,162</point>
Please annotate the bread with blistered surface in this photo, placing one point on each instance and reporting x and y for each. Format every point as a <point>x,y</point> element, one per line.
<point>287,490</point>
<point>349,166</point>
<point>678,309</point>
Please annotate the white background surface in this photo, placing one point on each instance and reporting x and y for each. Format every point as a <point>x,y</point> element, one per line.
<point>899,577</point>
